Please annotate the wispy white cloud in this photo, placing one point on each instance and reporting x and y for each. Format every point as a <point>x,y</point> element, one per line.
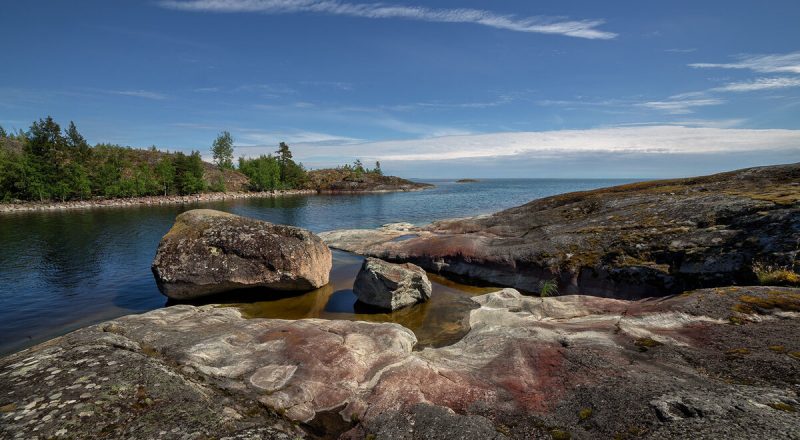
<point>773,63</point>
<point>500,100</point>
<point>266,90</point>
<point>544,25</point>
<point>687,50</point>
<point>146,94</point>
<point>681,106</point>
<point>340,85</point>
<point>576,103</point>
<point>651,140</point>
<point>760,84</point>
<point>704,123</point>
<point>421,129</point>
<point>373,117</point>
<point>251,137</point>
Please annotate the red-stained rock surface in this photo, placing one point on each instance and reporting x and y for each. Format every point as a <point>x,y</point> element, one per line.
<point>716,363</point>
<point>631,241</point>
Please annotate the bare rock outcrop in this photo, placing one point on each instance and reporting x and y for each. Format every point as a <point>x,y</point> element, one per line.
<point>631,241</point>
<point>209,251</point>
<point>715,363</point>
<point>391,286</point>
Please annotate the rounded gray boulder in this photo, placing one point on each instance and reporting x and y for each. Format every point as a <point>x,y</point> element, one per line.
<point>209,251</point>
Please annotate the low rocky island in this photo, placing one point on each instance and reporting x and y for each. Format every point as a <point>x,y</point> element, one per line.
<point>346,181</point>
<point>682,349</point>
<point>467,180</point>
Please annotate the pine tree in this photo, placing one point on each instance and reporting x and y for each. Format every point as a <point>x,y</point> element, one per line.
<point>284,159</point>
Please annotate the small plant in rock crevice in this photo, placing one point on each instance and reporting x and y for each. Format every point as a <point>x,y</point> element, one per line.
<point>771,275</point>
<point>548,288</point>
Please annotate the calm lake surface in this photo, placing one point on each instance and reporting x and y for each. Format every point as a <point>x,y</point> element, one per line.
<point>60,271</point>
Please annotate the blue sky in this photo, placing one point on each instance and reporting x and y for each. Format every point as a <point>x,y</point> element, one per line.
<point>432,89</point>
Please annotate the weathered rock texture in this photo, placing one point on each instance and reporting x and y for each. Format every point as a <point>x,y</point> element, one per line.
<point>631,241</point>
<point>209,251</point>
<point>716,363</point>
<point>391,286</point>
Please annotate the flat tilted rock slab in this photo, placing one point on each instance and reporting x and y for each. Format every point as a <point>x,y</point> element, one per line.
<point>631,241</point>
<point>716,363</point>
<point>209,251</point>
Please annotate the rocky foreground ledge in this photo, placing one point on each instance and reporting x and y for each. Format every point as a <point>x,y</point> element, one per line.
<point>631,241</point>
<point>716,363</point>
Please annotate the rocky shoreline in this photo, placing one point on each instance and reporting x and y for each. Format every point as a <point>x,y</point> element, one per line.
<point>178,200</point>
<point>632,241</point>
<point>715,363</point>
<point>718,362</point>
<point>146,201</point>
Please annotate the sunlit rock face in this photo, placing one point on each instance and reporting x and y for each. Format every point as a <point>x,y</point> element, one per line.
<point>629,242</point>
<point>714,363</point>
<point>391,286</point>
<point>209,251</point>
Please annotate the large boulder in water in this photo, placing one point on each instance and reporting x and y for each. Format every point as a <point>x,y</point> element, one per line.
<point>391,286</point>
<point>209,251</point>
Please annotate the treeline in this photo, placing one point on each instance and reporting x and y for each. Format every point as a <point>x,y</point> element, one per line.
<point>358,169</point>
<point>268,172</point>
<point>46,163</point>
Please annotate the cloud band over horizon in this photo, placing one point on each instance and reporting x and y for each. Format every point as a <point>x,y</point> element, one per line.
<point>650,140</point>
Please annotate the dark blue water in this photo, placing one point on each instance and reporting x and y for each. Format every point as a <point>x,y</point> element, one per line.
<point>63,270</point>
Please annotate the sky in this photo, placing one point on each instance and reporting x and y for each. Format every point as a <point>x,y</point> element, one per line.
<point>431,89</point>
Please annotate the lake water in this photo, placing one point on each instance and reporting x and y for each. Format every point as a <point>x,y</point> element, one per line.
<point>60,271</point>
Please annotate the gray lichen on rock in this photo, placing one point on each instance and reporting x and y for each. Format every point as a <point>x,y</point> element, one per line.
<point>209,251</point>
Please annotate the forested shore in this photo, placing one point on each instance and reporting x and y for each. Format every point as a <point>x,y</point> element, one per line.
<point>47,164</point>
<point>47,168</point>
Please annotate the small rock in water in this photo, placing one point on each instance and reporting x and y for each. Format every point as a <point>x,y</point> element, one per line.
<point>391,286</point>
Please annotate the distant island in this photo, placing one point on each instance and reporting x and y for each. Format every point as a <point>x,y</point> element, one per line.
<point>48,165</point>
<point>467,180</point>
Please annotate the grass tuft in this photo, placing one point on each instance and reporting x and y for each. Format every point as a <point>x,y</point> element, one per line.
<point>769,275</point>
<point>645,343</point>
<point>782,407</point>
<point>548,288</point>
